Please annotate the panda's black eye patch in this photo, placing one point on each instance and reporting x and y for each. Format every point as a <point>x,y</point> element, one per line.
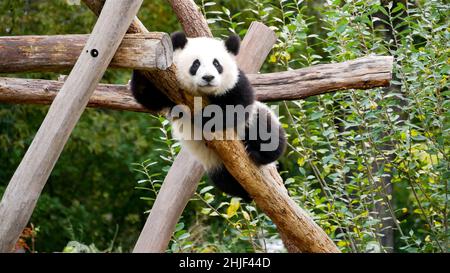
<point>218,66</point>
<point>194,67</point>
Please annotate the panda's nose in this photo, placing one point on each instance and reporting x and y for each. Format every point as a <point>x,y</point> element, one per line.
<point>208,78</point>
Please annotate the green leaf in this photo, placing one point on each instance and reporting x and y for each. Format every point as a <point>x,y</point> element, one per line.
<point>206,189</point>
<point>316,115</point>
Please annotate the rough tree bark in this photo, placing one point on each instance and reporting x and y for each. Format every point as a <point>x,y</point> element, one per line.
<point>187,14</point>
<point>31,91</point>
<point>59,52</point>
<point>362,73</point>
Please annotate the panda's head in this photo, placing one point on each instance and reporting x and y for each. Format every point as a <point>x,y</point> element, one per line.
<point>206,66</point>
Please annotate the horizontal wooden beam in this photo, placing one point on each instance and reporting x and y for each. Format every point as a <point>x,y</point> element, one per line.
<point>60,52</point>
<point>30,91</point>
<point>363,73</point>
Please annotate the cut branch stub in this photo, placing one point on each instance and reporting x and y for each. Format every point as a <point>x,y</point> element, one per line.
<point>255,47</point>
<point>60,52</point>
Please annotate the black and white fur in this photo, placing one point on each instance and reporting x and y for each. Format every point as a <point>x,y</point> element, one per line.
<point>207,67</point>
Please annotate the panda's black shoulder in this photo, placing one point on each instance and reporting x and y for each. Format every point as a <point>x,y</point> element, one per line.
<point>244,88</point>
<point>240,94</point>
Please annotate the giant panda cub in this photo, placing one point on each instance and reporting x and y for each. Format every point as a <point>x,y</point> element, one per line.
<point>207,67</point>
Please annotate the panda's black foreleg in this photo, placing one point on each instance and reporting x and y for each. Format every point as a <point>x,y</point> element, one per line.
<point>225,182</point>
<point>147,94</point>
<point>261,156</point>
<point>265,148</point>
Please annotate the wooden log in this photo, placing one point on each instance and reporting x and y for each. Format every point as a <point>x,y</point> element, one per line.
<point>172,200</point>
<point>30,177</point>
<point>96,7</point>
<point>255,47</point>
<point>362,73</point>
<point>60,52</point>
<point>27,91</point>
<point>173,196</point>
<point>191,19</point>
<point>300,230</point>
<point>193,22</point>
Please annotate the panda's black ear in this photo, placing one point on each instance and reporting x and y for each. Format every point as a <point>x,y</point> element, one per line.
<point>233,43</point>
<point>179,40</point>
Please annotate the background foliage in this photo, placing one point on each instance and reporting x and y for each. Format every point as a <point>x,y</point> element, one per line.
<point>372,167</point>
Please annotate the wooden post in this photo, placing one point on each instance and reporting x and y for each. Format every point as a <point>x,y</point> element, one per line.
<point>186,171</point>
<point>58,52</point>
<point>30,177</point>
<point>176,190</point>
